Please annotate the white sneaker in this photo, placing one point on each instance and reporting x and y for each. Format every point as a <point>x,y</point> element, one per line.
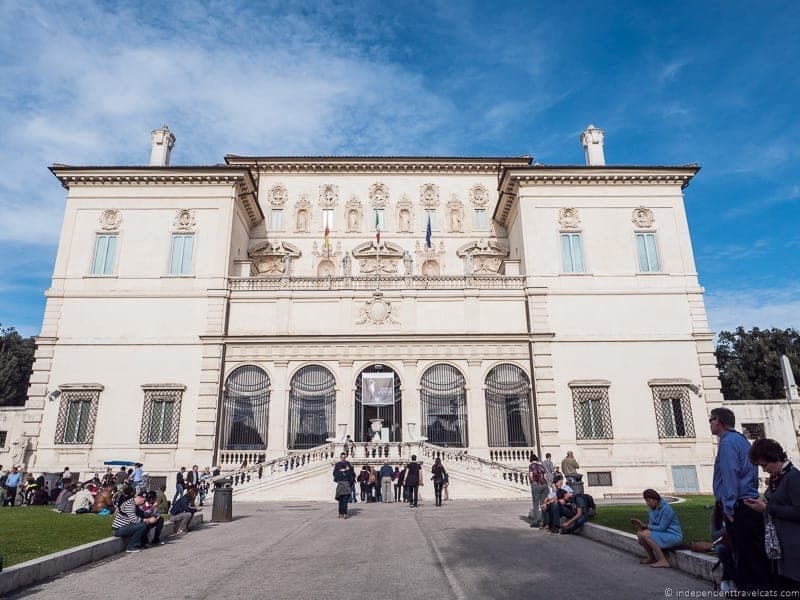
<point>727,585</point>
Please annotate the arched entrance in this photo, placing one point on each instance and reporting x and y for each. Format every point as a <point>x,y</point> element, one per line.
<point>312,407</point>
<point>378,396</point>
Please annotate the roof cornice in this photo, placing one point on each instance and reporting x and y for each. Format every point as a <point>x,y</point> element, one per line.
<point>513,178</point>
<point>377,164</point>
<point>239,177</point>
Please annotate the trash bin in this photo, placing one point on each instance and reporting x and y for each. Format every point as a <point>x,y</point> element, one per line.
<point>575,482</point>
<point>222,510</point>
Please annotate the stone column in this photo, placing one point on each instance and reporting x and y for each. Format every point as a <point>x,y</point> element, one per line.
<point>476,410</point>
<point>345,402</point>
<point>411,405</point>
<point>278,410</point>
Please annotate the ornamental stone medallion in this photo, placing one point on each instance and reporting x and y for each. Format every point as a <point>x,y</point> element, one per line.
<point>184,221</point>
<point>479,196</point>
<point>278,195</point>
<point>568,218</point>
<point>643,217</point>
<point>377,311</point>
<point>110,219</point>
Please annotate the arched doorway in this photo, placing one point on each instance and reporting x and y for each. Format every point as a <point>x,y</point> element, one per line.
<point>378,396</point>
<point>508,407</point>
<point>443,400</point>
<point>312,408</point>
<point>245,409</point>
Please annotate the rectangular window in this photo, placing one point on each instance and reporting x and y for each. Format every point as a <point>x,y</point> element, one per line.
<point>161,415</point>
<point>181,261</point>
<point>76,416</point>
<point>479,221</point>
<point>3,436</point>
<point>379,220</point>
<point>673,411</point>
<point>431,212</point>
<point>592,412</point>
<point>599,478</point>
<point>648,253</point>
<point>276,219</point>
<point>753,431</point>
<point>572,252</point>
<point>327,219</point>
<point>105,251</point>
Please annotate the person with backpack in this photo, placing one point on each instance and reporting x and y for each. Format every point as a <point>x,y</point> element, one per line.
<point>537,476</point>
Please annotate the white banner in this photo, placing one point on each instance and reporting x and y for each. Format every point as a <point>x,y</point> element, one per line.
<point>377,389</point>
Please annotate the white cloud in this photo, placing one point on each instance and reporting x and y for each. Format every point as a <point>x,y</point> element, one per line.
<point>765,308</point>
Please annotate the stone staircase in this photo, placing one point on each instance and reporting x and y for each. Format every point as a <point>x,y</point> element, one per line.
<point>307,474</point>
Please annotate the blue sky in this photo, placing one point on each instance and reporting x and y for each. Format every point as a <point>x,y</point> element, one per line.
<point>714,83</point>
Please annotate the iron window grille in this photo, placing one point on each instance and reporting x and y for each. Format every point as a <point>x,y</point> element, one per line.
<point>3,436</point>
<point>161,415</point>
<point>443,401</point>
<point>312,407</point>
<point>245,409</point>
<point>391,415</point>
<point>508,407</point>
<point>599,478</point>
<point>76,416</point>
<point>673,411</point>
<point>592,413</point>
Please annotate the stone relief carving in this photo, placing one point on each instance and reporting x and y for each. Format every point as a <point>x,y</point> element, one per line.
<point>377,311</point>
<point>326,259</point>
<point>273,258</point>
<point>482,256</point>
<point>302,215</point>
<point>405,215</point>
<point>568,218</point>
<point>278,195</point>
<point>378,195</point>
<point>347,265</point>
<point>479,195</point>
<point>643,217</point>
<point>373,257</point>
<point>110,219</point>
<point>455,215</point>
<point>184,221</point>
<point>328,196</point>
<point>429,195</point>
<point>431,260</point>
<point>354,213</point>
<point>408,264</point>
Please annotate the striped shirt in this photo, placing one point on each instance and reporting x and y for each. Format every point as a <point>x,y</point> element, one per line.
<point>126,515</point>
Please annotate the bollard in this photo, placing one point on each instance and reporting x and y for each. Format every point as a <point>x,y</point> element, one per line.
<point>222,510</point>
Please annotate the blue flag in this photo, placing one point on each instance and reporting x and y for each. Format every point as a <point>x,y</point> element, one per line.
<point>428,243</point>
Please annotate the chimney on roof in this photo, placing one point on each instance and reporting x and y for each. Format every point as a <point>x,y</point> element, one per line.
<point>592,140</point>
<point>163,140</point>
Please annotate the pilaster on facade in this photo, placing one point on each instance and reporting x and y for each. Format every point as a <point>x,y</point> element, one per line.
<point>278,407</point>
<point>38,394</point>
<point>345,402</point>
<point>216,313</point>
<point>209,396</point>
<point>478,427</point>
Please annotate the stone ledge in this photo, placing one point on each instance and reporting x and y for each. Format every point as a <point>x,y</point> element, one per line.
<point>694,563</point>
<point>45,567</point>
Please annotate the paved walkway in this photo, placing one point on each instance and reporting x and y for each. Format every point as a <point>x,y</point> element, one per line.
<point>301,551</point>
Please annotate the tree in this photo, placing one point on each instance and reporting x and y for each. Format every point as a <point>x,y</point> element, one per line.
<point>749,362</point>
<point>16,364</point>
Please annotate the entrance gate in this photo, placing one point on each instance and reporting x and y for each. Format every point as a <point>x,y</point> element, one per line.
<point>370,408</point>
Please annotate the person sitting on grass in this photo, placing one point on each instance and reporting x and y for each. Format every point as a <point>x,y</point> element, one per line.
<point>663,530</point>
<point>130,525</point>
<point>104,500</point>
<point>63,502</point>
<point>82,501</point>
<point>182,512</point>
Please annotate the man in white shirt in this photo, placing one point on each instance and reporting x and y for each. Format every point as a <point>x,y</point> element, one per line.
<point>82,502</point>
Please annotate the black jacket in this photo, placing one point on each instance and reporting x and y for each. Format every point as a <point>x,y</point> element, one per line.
<point>783,505</point>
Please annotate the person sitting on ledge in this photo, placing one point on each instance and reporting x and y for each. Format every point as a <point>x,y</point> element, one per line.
<point>663,530</point>
<point>149,509</point>
<point>130,525</point>
<point>182,512</point>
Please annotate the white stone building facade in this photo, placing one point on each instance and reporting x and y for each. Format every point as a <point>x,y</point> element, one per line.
<point>241,312</point>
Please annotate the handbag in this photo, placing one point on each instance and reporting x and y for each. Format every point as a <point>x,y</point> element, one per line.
<point>772,544</point>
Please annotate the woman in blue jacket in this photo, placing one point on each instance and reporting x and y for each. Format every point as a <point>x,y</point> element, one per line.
<point>662,530</point>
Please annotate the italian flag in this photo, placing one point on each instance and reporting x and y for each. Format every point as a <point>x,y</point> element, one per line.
<point>326,240</point>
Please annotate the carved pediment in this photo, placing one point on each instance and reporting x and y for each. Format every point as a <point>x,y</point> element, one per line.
<point>482,256</point>
<point>373,257</point>
<point>273,257</point>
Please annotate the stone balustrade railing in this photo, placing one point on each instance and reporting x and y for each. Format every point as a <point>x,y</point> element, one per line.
<point>511,455</point>
<point>233,459</point>
<point>479,466</point>
<point>443,282</point>
<point>265,470</point>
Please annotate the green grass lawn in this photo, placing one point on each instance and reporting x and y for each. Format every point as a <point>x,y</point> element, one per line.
<point>693,516</point>
<point>28,532</point>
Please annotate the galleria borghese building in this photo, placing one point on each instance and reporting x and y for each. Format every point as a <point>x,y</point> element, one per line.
<point>255,313</point>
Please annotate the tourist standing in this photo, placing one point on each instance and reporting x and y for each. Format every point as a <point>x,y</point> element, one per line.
<point>569,466</point>
<point>180,484</point>
<point>386,473</point>
<point>548,465</point>
<point>413,481</point>
<point>537,476</point>
<point>782,506</point>
<point>341,477</point>
<point>138,477</point>
<point>736,480</point>
<point>398,485</point>
<point>13,480</point>
<point>439,475</point>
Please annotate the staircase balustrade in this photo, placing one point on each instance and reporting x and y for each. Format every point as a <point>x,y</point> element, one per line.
<point>232,459</point>
<point>265,470</point>
<point>499,471</point>
<point>511,454</point>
